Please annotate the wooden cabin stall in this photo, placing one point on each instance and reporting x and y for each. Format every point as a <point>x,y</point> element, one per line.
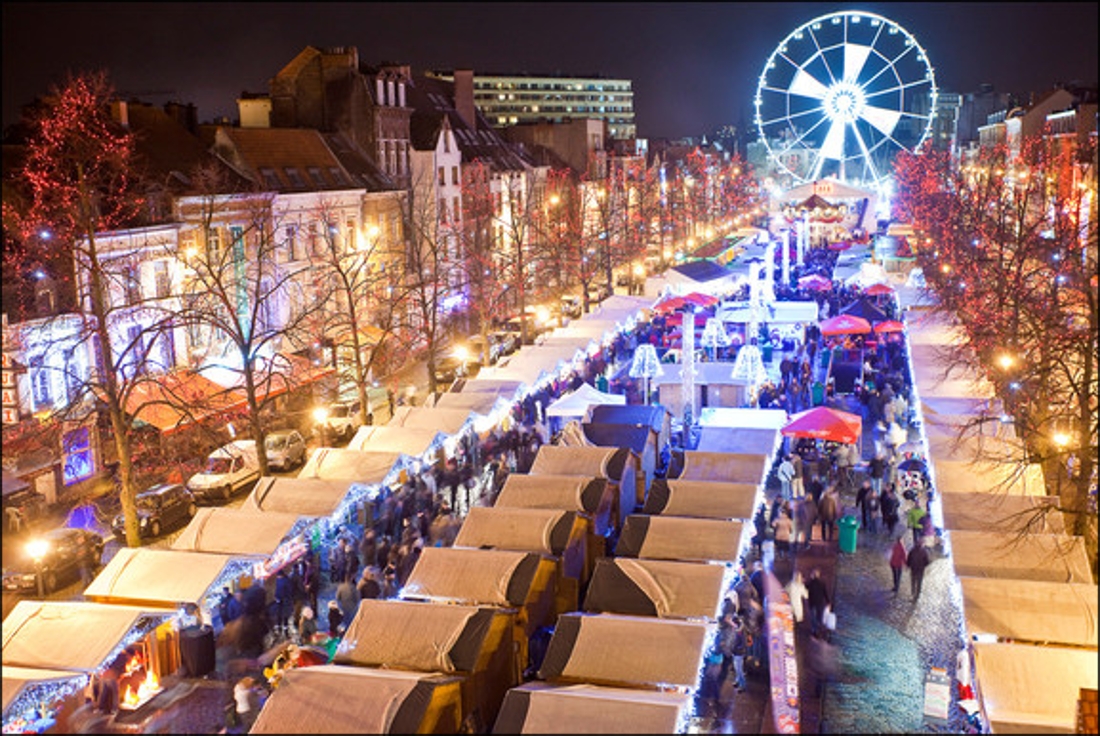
<point>620,467</point>
<point>538,707</point>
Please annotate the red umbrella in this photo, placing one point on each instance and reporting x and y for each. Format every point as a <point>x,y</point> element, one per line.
<point>823,423</point>
<point>670,305</point>
<point>677,318</point>
<point>840,245</point>
<point>845,324</point>
<point>815,281</point>
<point>890,325</point>
<point>701,300</point>
<point>879,290</point>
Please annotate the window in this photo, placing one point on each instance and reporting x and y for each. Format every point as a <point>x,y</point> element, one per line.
<point>40,384</point>
<point>213,245</point>
<point>446,142</point>
<point>292,245</point>
<point>294,176</point>
<point>161,279</point>
<point>456,210</point>
<point>316,175</point>
<point>442,176</point>
<point>337,175</point>
<point>133,284</point>
<point>349,235</point>
<point>443,210</point>
<point>454,175</point>
<point>78,455</point>
<point>271,179</point>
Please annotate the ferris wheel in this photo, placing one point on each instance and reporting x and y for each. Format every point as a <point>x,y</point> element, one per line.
<point>842,95</point>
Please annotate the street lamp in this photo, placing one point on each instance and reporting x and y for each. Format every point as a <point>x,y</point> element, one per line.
<point>36,549</point>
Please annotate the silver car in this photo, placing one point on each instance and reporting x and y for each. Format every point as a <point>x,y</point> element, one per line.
<point>285,449</point>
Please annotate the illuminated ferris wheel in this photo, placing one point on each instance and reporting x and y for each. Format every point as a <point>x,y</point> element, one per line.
<point>842,95</point>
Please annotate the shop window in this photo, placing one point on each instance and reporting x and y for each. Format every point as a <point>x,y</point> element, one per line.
<point>77,449</point>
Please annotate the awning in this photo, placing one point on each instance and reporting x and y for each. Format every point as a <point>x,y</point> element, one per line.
<point>179,398</point>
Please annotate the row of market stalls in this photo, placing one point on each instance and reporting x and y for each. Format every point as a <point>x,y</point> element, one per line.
<point>1026,588</point>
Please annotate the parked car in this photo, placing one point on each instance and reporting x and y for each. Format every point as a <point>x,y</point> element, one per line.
<point>164,506</point>
<point>508,341</point>
<point>285,449</point>
<point>229,469</point>
<point>60,561</point>
<point>571,306</point>
<point>339,419</point>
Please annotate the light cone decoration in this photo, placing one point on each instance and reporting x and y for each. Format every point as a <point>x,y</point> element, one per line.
<point>749,366</point>
<point>645,364</point>
<point>687,375</point>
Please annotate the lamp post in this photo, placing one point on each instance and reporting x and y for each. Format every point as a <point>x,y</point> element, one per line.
<point>37,549</point>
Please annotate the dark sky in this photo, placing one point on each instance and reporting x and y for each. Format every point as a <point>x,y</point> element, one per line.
<point>694,66</point>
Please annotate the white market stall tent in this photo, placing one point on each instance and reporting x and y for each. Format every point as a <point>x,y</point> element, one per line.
<point>414,442</point>
<point>803,313</point>
<point>28,689</point>
<point>298,496</point>
<point>358,466</point>
<point>538,707</point>
<point>989,477</point>
<point>680,538</point>
<point>575,404</point>
<point>336,699</point>
<point>1031,611</point>
<point>1030,689</point>
<point>715,386</point>
<point>243,531</point>
<point>727,467</point>
<point>168,578</point>
<point>619,466</point>
<point>661,588</point>
<point>996,512</point>
<point>1057,558</point>
<point>442,417</point>
<point>603,649</point>
<point>702,499</point>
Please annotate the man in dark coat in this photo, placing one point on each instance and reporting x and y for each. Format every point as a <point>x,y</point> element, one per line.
<point>917,561</point>
<point>818,597</point>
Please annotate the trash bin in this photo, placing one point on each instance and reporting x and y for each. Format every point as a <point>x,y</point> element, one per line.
<point>818,393</point>
<point>197,652</point>
<point>849,533</point>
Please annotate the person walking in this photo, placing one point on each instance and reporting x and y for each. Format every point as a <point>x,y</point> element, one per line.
<point>871,502</point>
<point>914,520</point>
<point>818,598</point>
<point>889,504</point>
<point>917,561</point>
<point>796,591</point>
<point>861,501</point>
<point>877,470</point>
<point>783,526</point>
<point>827,512</point>
<point>898,559</point>
<point>805,516</point>
<point>798,487</point>
<point>786,475</point>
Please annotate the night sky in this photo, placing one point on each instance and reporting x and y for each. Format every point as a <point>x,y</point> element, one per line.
<point>694,66</point>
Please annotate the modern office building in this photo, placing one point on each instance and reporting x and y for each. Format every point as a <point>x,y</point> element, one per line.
<point>511,99</point>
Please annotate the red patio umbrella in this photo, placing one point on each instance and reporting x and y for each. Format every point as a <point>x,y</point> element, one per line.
<point>890,325</point>
<point>701,300</point>
<point>670,305</point>
<point>815,281</point>
<point>845,324</point>
<point>879,289</point>
<point>677,318</point>
<point>823,423</point>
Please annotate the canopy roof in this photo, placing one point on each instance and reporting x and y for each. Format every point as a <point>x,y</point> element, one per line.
<point>844,324</point>
<point>594,462</point>
<point>709,374</point>
<point>997,512</point>
<point>472,576</point>
<point>546,531</point>
<point>337,699</point>
<point>824,423</point>
<point>1031,611</point>
<point>679,538</point>
<point>411,441</point>
<point>562,492</point>
<point>702,499</point>
<point>1029,689</point>
<point>539,707</point>
<point>411,635</point>
<point>653,417</point>
<point>70,635</point>
<point>730,467</point>
<point>359,466</point>
<point>158,577</point>
<point>18,678</point>
<point>602,649</point>
<point>298,496</point>
<point>577,403</point>
<point>633,436</point>
<point>662,588</point>
<point>1055,558</point>
<point>244,531</point>
<point>865,308</point>
<point>478,402</point>
<point>745,440</point>
<point>993,478</point>
<point>777,312</point>
<point>740,418</point>
<point>929,367</point>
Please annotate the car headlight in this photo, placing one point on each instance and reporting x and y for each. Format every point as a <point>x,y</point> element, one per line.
<point>144,521</point>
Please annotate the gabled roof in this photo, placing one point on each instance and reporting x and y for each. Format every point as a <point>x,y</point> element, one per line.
<point>432,101</point>
<point>283,151</point>
<point>702,270</point>
<point>362,170</point>
<point>166,150</point>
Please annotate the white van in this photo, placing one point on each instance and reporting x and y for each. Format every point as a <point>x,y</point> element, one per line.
<point>229,469</point>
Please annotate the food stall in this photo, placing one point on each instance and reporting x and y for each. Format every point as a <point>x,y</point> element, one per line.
<point>619,466</point>
<point>471,641</point>
<point>730,467</point>
<point>666,654</point>
<point>298,496</point>
<point>682,538</point>
<point>82,638</point>
<point>338,699</point>
<point>661,588</point>
<point>538,707</point>
<point>1030,611</point>
<point>990,511</point>
<point>277,539</point>
<point>1057,558</point>
<point>702,499</point>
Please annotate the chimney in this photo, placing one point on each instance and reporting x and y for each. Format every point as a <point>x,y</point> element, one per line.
<point>120,111</point>
<point>464,96</point>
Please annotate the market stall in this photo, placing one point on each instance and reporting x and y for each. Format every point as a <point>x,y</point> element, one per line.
<point>627,651</point>
<point>715,386</point>
<point>661,588</point>
<point>680,538</point>
<point>435,637</point>
<point>359,466</point>
<point>88,638</point>
<point>746,440</point>
<point>439,418</point>
<point>1057,558</point>
<point>298,496</point>
<point>728,467</point>
<point>575,405</point>
<point>1030,689</point>
<point>995,512</point>
<point>990,478</point>
<point>702,499</point>
<point>39,700</point>
<point>429,445</point>
<point>538,707</point>
<point>337,699</point>
<point>277,539</point>
<point>620,467</point>
<point>1030,611</point>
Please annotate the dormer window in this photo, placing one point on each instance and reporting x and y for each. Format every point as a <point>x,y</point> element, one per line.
<point>271,179</point>
<point>316,175</point>
<point>294,176</point>
<point>337,175</point>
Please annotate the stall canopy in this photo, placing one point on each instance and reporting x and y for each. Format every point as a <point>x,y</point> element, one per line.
<point>739,439</point>
<point>298,496</point>
<point>823,423</point>
<point>1055,558</point>
<point>18,679</point>
<point>603,649</point>
<point>538,707</point>
<point>595,462</point>
<point>71,635</point>
<point>990,478</point>
<point>472,576</point>
<point>804,313</point>
<point>564,492</point>
<point>546,531</point>
<point>702,499</point>
<point>576,404</point>
<point>236,531</point>
<point>478,402</point>
<point>729,467</point>
<point>338,699</point>
<point>661,588</point>
<point>1030,689</point>
<point>368,468</point>
<point>428,637</point>
<point>997,512</point>
<point>1031,611</point>
<point>679,538</point>
<point>409,441</point>
<point>158,577</point>
<point>438,418</point>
